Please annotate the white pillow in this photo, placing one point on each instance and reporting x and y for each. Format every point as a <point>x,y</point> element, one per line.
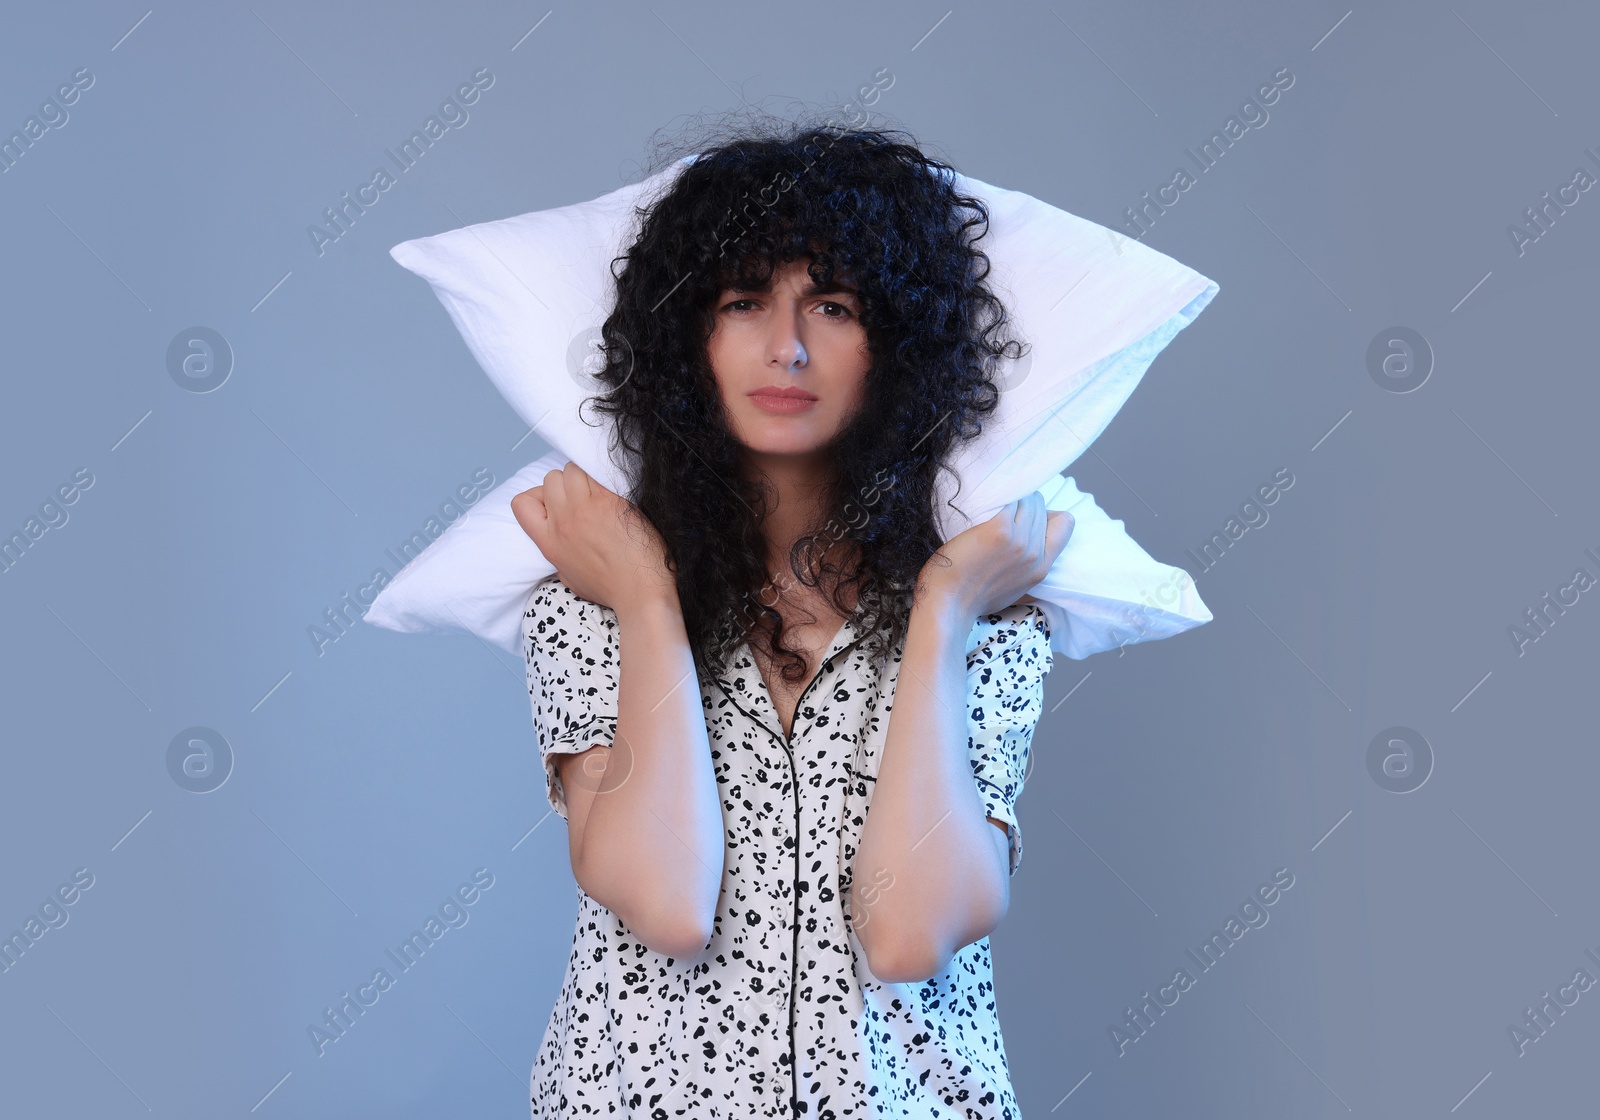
<point>1102,592</point>
<point>529,293</point>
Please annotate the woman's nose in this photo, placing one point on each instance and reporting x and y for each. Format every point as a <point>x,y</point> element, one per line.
<point>787,347</point>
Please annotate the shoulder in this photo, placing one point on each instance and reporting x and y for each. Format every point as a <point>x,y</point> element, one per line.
<point>1020,632</point>
<point>554,608</point>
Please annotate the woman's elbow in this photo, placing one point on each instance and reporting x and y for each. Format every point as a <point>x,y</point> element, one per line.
<point>899,954</point>
<point>674,937</point>
<point>905,962</point>
<point>903,956</point>
<point>662,925</point>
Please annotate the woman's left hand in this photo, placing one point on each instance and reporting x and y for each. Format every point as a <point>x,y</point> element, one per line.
<point>991,565</point>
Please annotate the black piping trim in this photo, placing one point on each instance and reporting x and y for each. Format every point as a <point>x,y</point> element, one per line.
<point>794,886</point>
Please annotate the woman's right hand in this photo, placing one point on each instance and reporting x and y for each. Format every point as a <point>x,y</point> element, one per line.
<point>601,545</point>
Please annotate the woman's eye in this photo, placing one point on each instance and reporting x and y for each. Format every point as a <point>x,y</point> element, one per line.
<point>737,306</point>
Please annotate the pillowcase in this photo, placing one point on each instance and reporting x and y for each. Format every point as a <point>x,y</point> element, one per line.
<point>528,295</point>
<point>1102,592</point>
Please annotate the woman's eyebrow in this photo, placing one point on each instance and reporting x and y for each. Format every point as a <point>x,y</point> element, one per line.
<point>833,288</point>
<point>811,289</point>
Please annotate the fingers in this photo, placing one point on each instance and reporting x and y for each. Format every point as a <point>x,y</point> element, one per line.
<point>1058,532</point>
<point>1033,530</point>
<point>1024,519</point>
<point>555,487</point>
<point>571,484</point>
<point>1028,524</point>
<point>530,500</point>
<point>578,479</point>
<point>528,507</point>
<point>1019,514</point>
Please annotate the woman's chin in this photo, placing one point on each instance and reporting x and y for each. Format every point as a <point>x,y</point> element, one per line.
<point>788,449</point>
<point>787,439</point>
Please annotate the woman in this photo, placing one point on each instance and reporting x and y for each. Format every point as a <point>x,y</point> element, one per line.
<point>802,332</point>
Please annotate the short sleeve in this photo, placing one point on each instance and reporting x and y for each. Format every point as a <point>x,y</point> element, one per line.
<point>1008,660</point>
<point>570,646</point>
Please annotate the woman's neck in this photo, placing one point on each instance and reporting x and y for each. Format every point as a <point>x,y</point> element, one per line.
<point>799,492</point>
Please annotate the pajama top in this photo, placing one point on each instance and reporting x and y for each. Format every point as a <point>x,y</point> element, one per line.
<point>780,1016</point>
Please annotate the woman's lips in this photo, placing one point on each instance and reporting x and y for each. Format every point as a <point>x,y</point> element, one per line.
<point>783,402</point>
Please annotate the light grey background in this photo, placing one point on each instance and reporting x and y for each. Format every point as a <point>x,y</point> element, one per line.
<point>372,779</point>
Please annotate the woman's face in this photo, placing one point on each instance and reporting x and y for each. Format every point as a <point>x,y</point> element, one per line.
<point>793,337</point>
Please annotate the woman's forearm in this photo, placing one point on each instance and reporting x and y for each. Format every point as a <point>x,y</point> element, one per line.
<point>926,880</point>
<point>652,845</point>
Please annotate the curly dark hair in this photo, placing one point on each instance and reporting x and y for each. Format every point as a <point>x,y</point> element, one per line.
<point>867,202</point>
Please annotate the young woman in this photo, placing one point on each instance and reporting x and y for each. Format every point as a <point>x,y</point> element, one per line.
<point>785,727</point>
